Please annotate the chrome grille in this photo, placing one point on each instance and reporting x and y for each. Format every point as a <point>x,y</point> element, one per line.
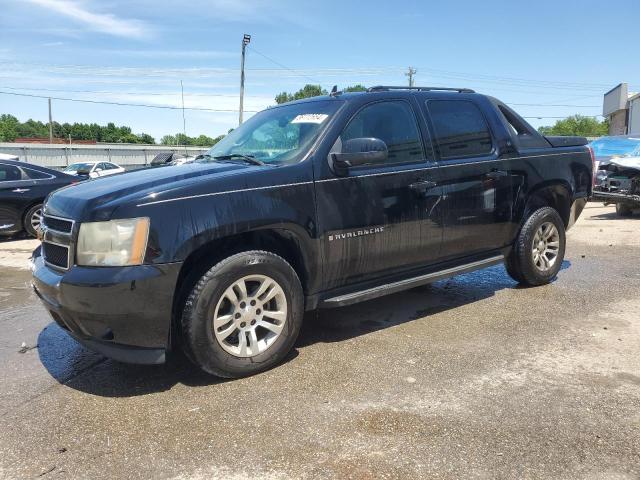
<point>58,224</point>
<point>56,255</point>
<point>57,242</point>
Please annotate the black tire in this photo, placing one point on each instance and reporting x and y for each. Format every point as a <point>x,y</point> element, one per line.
<point>26,221</point>
<point>623,210</point>
<point>520,262</point>
<point>199,342</point>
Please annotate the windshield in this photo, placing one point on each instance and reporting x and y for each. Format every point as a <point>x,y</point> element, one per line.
<point>278,135</point>
<point>78,166</point>
<point>616,146</point>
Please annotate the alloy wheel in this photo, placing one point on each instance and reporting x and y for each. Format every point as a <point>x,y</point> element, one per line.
<point>545,248</point>
<point>36,219</point>
<point>250,316</point>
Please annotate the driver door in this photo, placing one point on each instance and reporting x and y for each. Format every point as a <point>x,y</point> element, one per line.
<point>375,220</point>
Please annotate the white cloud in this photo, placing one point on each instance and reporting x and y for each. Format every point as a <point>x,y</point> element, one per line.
<point>100,22</point>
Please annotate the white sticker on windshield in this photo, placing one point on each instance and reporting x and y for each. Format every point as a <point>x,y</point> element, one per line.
<point>310,118</point>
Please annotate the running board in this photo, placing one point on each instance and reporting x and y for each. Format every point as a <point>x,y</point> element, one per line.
<point>388,288</point>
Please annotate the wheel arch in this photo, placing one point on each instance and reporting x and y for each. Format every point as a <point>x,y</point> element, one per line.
<point>556,195</point>
<point>283,242</point>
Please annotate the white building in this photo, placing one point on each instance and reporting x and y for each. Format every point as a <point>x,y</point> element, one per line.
<point>623,110</point>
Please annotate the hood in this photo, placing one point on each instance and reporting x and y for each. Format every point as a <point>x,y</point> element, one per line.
<point>97,199</point>
<point>626,162</point>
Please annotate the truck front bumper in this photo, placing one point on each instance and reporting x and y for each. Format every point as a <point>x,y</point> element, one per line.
<point>121,312</point>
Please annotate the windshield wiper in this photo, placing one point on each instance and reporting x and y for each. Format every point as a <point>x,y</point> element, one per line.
<point>247,158</point>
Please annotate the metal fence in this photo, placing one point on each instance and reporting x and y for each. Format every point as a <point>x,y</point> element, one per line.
<point>128,156</point>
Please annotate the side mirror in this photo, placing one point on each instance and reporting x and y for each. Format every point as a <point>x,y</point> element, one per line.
<point>360,151</point>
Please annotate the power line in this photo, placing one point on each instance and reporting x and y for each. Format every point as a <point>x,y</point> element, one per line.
<point>553,105</point>
<point>167,107</point>
<point>282,65</point>
<point>110,92</point>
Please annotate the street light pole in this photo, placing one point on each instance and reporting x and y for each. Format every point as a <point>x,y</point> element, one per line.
<point>245,41</point>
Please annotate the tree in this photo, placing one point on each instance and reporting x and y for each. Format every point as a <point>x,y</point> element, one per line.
<point>577,125</point>
<point>168,140</point>
<point>146,138</point>
<point>182,139</point>
<point>305,92</point>
<point>312,91</point>
<point>8,124</point>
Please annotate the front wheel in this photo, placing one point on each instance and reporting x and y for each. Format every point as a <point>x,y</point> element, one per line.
<point>244,315</point>
<point>538,252</point>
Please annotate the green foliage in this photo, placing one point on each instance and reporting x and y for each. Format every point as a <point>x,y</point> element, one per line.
<point>312,91</point>
<point>182,139</point>
<point>8,125</point>
<point>355,88</point>
<point>305,92</point>
<point>11,128</point>
<point>577,125</point>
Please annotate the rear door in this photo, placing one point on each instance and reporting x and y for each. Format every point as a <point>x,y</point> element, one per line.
<point>478,199</point>
<point>375,220</point>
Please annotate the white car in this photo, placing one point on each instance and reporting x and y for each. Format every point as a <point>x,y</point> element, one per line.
<point>93,169</point>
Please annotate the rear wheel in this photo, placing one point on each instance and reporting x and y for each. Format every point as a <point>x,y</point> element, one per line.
<point>244,315</point>
<point>32,220</point>
<point>538,252</point>
<point>623,210</point>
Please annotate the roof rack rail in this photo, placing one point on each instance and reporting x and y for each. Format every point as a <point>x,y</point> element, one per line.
<point>379,88</point>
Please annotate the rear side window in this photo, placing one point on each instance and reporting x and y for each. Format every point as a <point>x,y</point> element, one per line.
<point>524,134</point>
<point>9,173</point>
<point>460,129</point>
<point>394,123</point>
<point>35,174</point>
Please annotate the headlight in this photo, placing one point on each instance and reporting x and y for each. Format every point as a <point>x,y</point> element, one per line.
<point>114,243</point>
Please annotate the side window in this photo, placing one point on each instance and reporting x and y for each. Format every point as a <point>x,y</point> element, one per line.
<point>460,129</point>
<point>9,173</point>
<point>35,174</point>
<point>392,122</point>
<point>110,166</point>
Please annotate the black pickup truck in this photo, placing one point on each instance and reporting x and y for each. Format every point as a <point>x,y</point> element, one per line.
<point>318,203</point>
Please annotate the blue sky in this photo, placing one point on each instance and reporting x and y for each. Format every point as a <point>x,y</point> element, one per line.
<point>537,56</point>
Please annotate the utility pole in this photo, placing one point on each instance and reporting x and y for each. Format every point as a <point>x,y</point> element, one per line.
<point>412,71</point>
<point>245,41</point>
<point>184,122</point>
<point>50,124</point>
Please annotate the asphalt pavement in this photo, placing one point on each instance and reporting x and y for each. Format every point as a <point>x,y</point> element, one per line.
<point>473,377</point>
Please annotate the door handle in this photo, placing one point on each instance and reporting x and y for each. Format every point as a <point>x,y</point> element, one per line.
<point>421,186</point>
<point>496,174</point>
<point>20,190</point>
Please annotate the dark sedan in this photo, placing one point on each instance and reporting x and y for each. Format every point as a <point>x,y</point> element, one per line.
<point>23,188</point>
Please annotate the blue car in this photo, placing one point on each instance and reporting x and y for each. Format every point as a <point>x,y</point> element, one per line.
<point>618,172</point>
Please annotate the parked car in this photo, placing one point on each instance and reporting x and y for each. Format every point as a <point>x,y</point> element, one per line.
<point>170,158</point>
<point>7,156</point>
<point>183,159</point>
<point>23,188</point>
<point>618,173</point>
<point>93,169</point>
<point>318,203</point>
